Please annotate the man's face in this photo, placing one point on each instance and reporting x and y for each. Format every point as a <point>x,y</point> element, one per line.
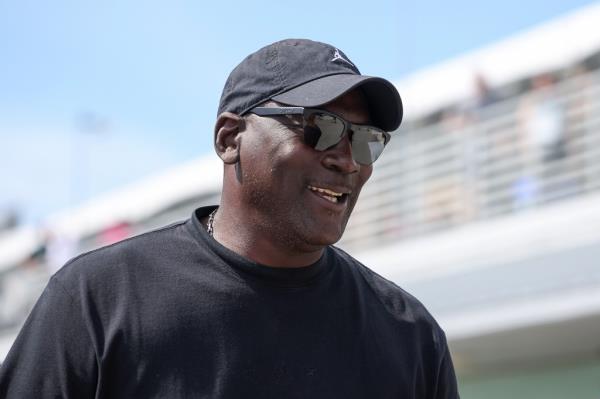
<point>288,187</point>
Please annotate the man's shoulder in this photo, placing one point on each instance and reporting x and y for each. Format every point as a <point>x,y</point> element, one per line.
<point>398,302</point>
<point>381,286</point>
<point>134,252</point>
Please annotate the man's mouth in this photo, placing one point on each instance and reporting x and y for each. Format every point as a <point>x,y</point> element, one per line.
<point>329,195</point>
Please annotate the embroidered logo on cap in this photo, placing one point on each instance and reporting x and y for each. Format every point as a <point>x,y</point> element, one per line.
<point>338,57</point>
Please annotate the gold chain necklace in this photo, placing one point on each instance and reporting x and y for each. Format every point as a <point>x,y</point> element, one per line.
<point>211,221</point>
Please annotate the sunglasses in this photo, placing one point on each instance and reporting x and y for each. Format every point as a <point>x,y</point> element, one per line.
<point>323,130</point>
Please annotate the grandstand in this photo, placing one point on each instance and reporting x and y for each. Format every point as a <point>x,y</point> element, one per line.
<point>486,206</point>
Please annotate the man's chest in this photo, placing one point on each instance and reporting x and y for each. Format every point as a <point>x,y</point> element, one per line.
<point>249,344</point>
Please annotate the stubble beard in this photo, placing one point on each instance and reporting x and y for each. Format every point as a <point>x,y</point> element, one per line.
<point>291,226</point>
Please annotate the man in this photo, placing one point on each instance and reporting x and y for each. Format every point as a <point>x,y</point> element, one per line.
<point>248,299</point>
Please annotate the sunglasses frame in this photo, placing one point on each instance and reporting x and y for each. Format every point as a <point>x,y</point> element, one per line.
<point>306,112</point>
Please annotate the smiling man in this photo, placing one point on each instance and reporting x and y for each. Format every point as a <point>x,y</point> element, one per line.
<point>249,299</point>
<point>293,200</point>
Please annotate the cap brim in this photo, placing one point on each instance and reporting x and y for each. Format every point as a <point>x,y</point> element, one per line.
<point>384,101</point>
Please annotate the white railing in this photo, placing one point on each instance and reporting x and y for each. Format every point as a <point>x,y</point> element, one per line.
<point>482,164</point>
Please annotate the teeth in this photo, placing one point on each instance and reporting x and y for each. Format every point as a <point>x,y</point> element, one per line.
<point>332,199</point>
<point>326,191</point>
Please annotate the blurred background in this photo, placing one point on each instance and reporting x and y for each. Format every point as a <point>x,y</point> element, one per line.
<point>485,205</point>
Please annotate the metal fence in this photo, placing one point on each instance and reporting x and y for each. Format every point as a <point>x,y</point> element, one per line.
<point>482,162</point>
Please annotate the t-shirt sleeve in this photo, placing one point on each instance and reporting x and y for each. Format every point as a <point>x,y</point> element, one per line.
<point>446,385</point>
<point>53,355</point>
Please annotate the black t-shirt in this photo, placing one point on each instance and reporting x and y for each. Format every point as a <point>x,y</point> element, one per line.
<point>174,314</point>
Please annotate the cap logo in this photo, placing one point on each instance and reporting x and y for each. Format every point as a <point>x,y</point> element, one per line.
<point>338,57</point>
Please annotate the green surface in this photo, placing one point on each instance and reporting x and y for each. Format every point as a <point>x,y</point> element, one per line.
<point>573,381</point>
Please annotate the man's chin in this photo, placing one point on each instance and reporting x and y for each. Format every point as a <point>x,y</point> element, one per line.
<point>324,238</point>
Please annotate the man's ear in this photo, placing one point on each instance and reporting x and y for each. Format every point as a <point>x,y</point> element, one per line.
<point>227,138</point>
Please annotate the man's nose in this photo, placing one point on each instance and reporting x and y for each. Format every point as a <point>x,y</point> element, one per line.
<point>339,157</point>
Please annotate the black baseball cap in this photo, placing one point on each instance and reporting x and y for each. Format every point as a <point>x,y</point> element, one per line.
<point>305,73</point>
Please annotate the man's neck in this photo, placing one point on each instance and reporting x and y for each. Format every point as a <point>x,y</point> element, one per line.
<point>247,239</point>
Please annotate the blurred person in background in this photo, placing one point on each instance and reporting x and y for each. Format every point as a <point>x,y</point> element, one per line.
<point>543,120</point>
<point>115,233</point>
<point>60,247</point>
<point>248,299</point>
<point>543,140</point>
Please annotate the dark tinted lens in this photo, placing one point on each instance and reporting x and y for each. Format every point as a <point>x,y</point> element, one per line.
<point>323,131</point>
<point>367,144</point>
<point>312,134</point>
<point>332,130</point>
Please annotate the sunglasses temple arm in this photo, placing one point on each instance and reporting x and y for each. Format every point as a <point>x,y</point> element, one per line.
<point>268,111</point>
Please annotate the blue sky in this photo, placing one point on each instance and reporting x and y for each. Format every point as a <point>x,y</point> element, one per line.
<point>95,95</point>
